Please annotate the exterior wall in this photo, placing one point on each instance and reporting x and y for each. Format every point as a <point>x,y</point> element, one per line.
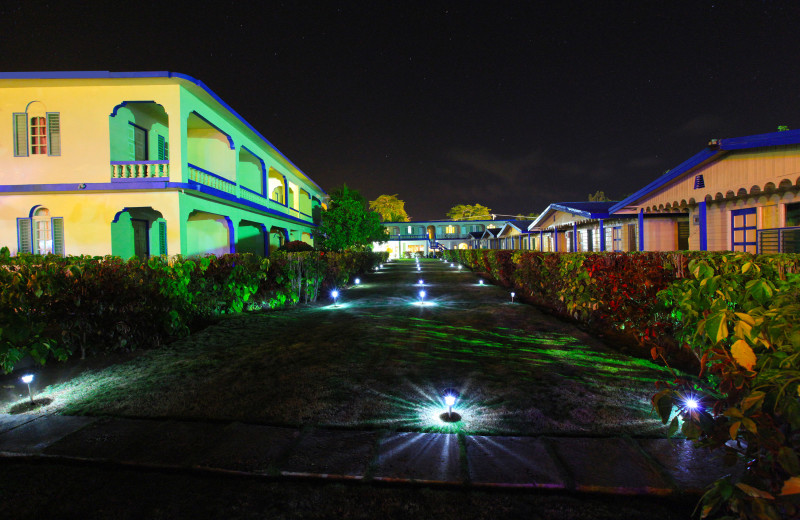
<point>78,185</point>
<point>87,220</point>
<point>661,234</point>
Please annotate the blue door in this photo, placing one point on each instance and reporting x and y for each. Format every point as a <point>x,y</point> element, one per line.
<point>743,230</point>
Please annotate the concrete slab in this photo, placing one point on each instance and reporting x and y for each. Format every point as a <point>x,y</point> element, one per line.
<point>331,452</point>
<point>691,469</point>
<point>611,465</point>
<point>36,435</point>
<point>512,462</point>
<point>9,422</point>
<point>419,456</point>
<point>105,439</point>
<point>248,447</point>
<point>175,443</point>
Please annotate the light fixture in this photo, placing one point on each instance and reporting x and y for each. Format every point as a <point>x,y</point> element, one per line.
<point>459,267</point>
<point>421,281</point>
<point>334,295</point>
<point>452,265</point>
<point>450,396</point>
<point>422,297</point>
<point>27,378</point>
<point>513,294</point>
<point>480,282</point>
<point>358,281</point>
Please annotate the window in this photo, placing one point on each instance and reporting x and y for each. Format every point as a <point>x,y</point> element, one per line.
<point>793,214</point>
<point>41,234</point>
<point>616,238</point>
<point>743,230</point>
<point>137,143</point>
<point>37,135</point>
<point>699,182</point>
<point>163,148</point>
<point>450,230</point>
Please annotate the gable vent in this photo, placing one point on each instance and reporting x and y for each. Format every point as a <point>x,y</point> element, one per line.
<point>699,182</point>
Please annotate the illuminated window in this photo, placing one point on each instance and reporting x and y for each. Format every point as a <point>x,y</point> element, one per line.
<point>41,234</point>
<point>450,230</point>
<point>38,136</point>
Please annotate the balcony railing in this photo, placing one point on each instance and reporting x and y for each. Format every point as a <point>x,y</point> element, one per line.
<point>254,196</point>
<point>778,240</point>
<point>140,169</point>
<point>212,180</point>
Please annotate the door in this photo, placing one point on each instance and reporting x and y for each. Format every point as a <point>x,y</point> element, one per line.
<point>683,236</point>
<point>141,242</point>
<point>743,230</point>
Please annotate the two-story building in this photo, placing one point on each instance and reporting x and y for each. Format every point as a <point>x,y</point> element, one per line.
<point>140,164</point>
<point>425,236</point>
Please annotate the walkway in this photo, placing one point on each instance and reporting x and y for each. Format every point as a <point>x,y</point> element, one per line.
<point>597,463</point>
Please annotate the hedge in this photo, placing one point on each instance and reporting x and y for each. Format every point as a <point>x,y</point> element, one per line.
<point>735,314</point>
<point>53,307</point>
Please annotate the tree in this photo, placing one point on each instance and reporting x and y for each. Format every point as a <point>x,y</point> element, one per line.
<point>348,223</point>
<point>598,196</point>
<point>390,208</point>
<point>469,212</point>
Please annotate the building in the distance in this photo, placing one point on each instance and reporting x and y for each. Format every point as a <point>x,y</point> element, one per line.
<point>423,237</point>
<point>140,164</point>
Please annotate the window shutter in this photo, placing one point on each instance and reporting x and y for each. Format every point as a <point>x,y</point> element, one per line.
<point>162,238</point>
<point>58,235</point>
<point>24,243</point>
<point>20,135</point>
<point>131,143</point>
<point>54,133</point>
<point>162,152</point>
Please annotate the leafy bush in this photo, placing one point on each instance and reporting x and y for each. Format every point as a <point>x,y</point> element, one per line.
<point>52,306</point>
<point>296,246</point>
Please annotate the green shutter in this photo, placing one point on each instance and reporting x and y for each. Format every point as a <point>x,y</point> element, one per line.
<point>131,143</point>
<point>162,148</point>
<point>58,235</point>
<point>24,242</point>
<point>54,133</point>
<point>162,238</point>
<point>20,135</point>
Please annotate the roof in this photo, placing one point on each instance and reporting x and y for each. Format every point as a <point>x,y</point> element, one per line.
<point>493,232</point>
<point>519,225</point>
<point>714,151</point>
<point>104,74</point>
<point>476,234</point>
<point>586,209</point>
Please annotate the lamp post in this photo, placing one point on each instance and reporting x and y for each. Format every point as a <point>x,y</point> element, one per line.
<point>422,297</point>
<point>334,295</point>
<point>513,294</point>
<point>27,378</point>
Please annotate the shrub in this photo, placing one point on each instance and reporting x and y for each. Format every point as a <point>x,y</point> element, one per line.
<point>296,246</point>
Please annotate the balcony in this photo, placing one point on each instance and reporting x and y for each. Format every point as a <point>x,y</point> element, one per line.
<point>140,170</point>
<point>778,240</point>
<point>212,180</point>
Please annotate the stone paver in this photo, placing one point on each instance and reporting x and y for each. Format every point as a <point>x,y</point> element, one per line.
<point>512,461</point>
<point>419,456</point>
<point>248,447</point>
<point>326,452</point>
<point>610,465</point>
<point>9,422</point>
<point>36,435</point>
<point>691,469</point>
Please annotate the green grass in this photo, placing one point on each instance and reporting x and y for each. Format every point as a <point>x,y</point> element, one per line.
<point>379,361</point>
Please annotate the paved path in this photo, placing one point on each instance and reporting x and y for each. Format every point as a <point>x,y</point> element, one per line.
<point>615,464</point>
<point>607,465</point>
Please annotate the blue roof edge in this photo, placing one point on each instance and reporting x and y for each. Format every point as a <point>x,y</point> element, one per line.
<point>101,74</point>
<point>722,145</point>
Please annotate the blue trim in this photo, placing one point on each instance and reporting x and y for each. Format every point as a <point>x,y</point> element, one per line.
<point>265,236</point>
<point>575,237</point>
<point>33,210</point>
<point>125,103</point>
<point>231,235</point>
<point>151,74</point>
<point>641,230</point>
<point>743,212</point>
<point>541,240</point>
<point>555,240</point>
<point>701,210</point>
<point>602,237</point>
<point>150,186</point>
<point>757,141</point>
<point>218,129</point>
<point>263,171</point>
<point>671,175</point>
<point>252,191</point>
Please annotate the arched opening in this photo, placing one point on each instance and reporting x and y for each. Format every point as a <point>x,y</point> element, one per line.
<point>209,233</point>
<point>251,238</point>
<point>432,232</point>
<point>251,171</point>
<point>139,140</point>
<point>209,150</point>
<point>277,237</point>
<point>277,186</point>
<point>138,232</point>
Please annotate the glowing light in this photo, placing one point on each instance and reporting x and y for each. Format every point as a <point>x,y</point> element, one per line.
<point>27,378</point>
<point>691,403</point>
<point>334,295</point>
<point>421,281</point>
<point>459,267</point>
<point>452,265</point>
<point>449,400</point>
<point>358,281</point>
<point>513,294</point>
<point>421,295</point>
<point>480,282</point>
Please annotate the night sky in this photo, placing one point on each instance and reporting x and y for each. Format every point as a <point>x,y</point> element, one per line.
<point>507,105</point>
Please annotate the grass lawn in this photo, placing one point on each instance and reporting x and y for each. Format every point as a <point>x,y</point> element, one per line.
<point>381,360</point>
